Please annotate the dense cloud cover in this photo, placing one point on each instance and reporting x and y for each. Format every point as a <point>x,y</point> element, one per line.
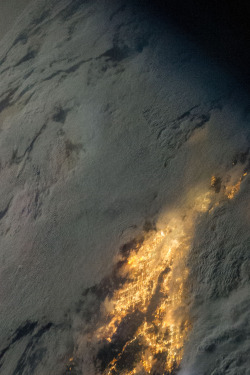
<point>110,119</point>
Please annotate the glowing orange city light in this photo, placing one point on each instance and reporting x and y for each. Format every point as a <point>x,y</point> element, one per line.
<point>156,275</point>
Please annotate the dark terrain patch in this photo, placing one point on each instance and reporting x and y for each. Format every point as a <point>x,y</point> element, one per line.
<point>28,74</point>
<point>71,9</point>
<point>30,55</point>
<point>42,18</point>
<point>186,114</point>
<point>32,355</point>
<point>129,356</point>
<point>241,157</point>
<point>24,330</point>
<point>156,297</point>
<point>26,89</point>
<point>16,159</point>
<point>216,184</point>
<point>149,226</point>
<point>116,54</point>
<point>125,332</point>
<point>3,60</point>
<point>5,210</point>
<point>60,115</point>
<point>141,43</point>
<point>71,69</point>
<point>72,147</point>
<point>4,103</point>
<point>120,9</point>
<point>21,38</point>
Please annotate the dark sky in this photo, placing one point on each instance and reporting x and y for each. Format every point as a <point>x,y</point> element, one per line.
<point>221,27</point>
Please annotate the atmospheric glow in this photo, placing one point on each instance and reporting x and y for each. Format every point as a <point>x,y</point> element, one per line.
<point>155,273</point>
<point>233,189</point>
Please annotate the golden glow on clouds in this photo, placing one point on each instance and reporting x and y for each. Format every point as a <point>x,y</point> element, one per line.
<point>231,190</point>
<point>155,274</point>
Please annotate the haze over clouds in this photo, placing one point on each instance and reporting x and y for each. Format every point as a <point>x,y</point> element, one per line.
<point>115,126</point>
<point>10,10</point>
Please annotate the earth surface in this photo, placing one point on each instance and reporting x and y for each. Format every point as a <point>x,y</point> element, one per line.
<point>113,125</point>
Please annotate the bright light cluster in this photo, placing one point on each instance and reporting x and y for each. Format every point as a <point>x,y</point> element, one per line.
<point>155,274</point>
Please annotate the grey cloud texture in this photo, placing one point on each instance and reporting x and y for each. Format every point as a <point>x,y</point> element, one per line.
<point>109,119</point>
